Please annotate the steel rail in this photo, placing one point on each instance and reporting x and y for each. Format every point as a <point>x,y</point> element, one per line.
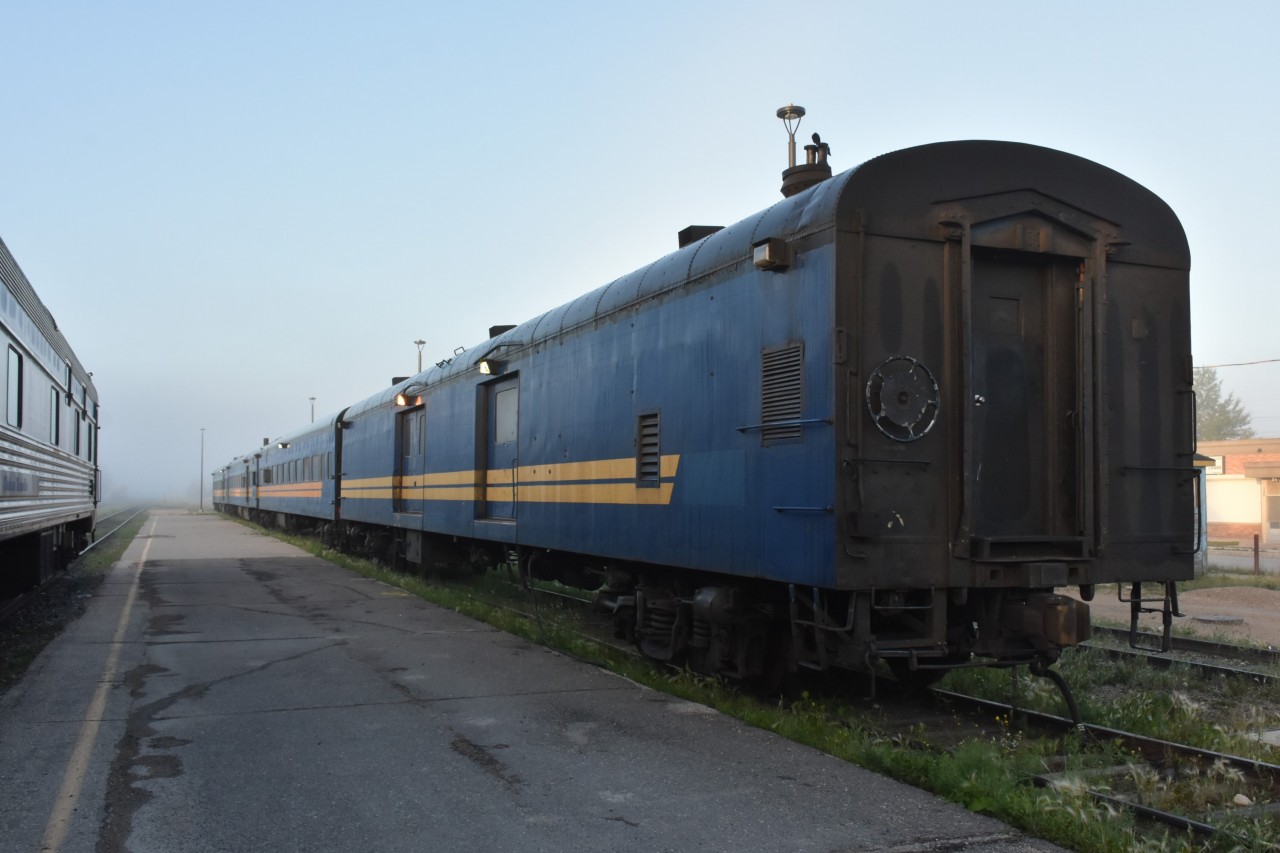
<point>10,606</point>
<point>99,540</point>
<point>1160,661</point>
<point>1255,654</point>
<point>1154,750</point>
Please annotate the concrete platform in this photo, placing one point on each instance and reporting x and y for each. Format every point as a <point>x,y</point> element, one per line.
<point>226,691</point>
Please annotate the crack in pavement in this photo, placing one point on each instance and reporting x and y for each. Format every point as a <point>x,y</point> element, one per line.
<point>130,766</point>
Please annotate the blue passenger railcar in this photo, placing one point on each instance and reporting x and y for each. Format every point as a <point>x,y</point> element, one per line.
<point>884,418</point>
<point>235,487</point>
<point>377,502</point>
<point>296,474</point>
<point>49,476</point>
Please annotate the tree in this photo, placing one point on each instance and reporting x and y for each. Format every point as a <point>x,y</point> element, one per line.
<point>1218,417</point>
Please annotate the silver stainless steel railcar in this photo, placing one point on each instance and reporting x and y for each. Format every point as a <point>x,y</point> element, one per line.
<point>49,477</point>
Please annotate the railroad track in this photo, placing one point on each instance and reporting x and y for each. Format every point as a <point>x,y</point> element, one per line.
<point>131,513</point>
<point>1252,654</point>
<point>1166,760</point>
<point>10,607</point>
<point>1192,653</point>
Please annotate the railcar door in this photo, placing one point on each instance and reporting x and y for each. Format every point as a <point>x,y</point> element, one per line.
<point>410,453</point>
<point>500,493</point>
<point>1025,454</point>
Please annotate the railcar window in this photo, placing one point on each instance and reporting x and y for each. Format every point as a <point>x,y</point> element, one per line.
<point>55,417</point>
<point>13,406</point>
<point>408,437</point>
<point>77,437</point>
<point>506,416</point>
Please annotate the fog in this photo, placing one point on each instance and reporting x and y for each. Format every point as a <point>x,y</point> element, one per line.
<point>233,208</point>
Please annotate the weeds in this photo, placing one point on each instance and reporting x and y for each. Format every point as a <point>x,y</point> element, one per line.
<point>1218,576</point>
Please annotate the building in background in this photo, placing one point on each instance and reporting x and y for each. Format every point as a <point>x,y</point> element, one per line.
<point>1242,490</point>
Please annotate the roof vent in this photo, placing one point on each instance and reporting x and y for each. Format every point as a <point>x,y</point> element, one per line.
<point>815,169</point>
<point>694,233</point>
<point>494,331</point>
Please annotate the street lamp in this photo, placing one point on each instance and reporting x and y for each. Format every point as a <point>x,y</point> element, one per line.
<point>313,409</point>
<point>420,343</point>
<point>791,115</point>
<point>202,469</point>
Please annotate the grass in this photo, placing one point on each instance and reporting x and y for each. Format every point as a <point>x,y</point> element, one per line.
<point>1219,576</point>
<point>1219,714</point>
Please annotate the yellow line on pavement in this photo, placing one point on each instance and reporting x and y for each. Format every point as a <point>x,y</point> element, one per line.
<point>64,807</point>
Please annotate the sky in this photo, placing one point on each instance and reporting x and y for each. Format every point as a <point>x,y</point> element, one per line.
<point>233,207</point>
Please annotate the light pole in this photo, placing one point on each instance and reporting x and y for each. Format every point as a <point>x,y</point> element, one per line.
<point>420,343</point>
<point>313,409</point>
<point>202,469</point>
<point>791,115</point>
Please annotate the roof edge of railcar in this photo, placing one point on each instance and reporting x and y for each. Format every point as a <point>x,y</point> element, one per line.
<point>807,212</point>
<point>963,169</point>
<point>25,294</point>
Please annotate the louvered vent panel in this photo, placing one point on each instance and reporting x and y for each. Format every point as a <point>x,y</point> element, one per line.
<point>781,392</point>
<point>648,457</point>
